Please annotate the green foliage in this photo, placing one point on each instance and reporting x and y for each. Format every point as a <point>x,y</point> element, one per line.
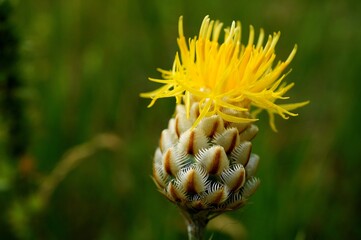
<point>80,69</point>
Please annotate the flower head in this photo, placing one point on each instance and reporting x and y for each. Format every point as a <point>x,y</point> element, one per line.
<point>227,77</point>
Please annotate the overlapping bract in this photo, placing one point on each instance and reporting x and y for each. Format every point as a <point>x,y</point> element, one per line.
<point>209,167</point>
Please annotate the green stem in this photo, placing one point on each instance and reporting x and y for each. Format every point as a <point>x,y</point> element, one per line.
<point>196,225</point>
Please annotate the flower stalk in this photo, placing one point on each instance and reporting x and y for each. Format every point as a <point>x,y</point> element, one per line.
<point>196,225</point>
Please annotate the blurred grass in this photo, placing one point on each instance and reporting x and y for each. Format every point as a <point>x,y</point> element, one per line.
<point>84,64</point>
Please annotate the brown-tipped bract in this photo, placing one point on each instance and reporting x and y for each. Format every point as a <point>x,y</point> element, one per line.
<point>207,168</point>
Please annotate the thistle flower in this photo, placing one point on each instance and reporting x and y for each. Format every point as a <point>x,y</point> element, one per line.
<point>204,162</point>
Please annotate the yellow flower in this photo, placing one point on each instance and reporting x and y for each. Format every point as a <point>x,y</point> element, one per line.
<point>229,75</point>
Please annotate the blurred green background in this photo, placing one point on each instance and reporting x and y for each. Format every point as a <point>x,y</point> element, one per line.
<point>76,142</point>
